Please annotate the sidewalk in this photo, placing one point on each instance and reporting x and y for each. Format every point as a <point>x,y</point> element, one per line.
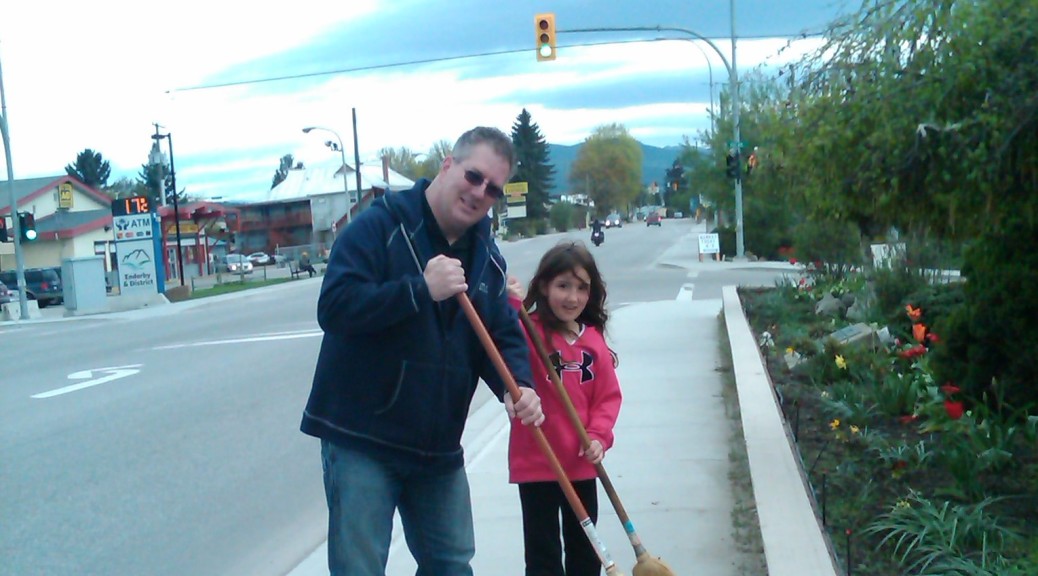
<point>670,463</point>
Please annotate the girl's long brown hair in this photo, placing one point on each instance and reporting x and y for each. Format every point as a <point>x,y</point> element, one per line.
<point>565,257</point>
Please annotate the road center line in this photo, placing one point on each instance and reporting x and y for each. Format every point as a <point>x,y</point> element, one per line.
<point>266,338</point>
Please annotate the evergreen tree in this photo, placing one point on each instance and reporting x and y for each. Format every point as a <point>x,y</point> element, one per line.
<point>532,155</point>
<point>91,168</point>
<point>155,178</point>
<point>282,171</point>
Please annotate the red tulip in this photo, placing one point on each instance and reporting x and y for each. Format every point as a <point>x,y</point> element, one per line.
<point>950,389</point>
<point>917,350</point>
<point>954,409</point>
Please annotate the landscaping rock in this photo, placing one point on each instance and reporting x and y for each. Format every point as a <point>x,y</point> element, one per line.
<point>829,306</point>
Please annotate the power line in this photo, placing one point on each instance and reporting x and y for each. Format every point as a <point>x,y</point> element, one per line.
<point>213,86</point>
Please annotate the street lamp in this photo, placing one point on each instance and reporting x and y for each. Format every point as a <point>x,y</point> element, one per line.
<point>345,182</point>
<point>157,157</point>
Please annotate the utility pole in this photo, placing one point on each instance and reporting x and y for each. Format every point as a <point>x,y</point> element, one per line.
<point>734,80</point>
<point>356,158</point>
<point>16,226</point>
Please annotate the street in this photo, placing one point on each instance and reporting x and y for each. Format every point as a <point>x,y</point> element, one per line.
<point>166,441</point>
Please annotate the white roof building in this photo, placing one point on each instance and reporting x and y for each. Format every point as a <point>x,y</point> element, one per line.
<point>326,177</point>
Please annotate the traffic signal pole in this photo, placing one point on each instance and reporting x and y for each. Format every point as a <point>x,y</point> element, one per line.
<point>740,251</point>
<point>16,226</point>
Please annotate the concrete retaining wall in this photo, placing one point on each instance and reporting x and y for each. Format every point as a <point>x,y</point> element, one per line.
<point>794,541</point>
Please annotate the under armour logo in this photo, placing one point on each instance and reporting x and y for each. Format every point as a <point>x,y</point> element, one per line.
<point>584,366</point>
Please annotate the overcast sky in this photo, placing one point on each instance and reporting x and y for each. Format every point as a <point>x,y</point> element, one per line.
<point>235,82</point>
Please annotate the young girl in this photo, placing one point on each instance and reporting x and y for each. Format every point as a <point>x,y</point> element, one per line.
<point>566,300</point>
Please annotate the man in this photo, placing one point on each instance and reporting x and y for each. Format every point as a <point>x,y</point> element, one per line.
<point>597,235</point>
<point>399,363</point>
<point>305,265</point>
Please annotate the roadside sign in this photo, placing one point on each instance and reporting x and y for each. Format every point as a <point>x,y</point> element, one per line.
<point>514,190</point>
<point>65,195</point>
<point>709,244</point>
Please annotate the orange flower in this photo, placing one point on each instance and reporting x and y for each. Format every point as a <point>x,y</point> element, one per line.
<point>919,332</point>
<point>913,313</point>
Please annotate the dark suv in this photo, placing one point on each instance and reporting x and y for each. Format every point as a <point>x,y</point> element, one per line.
<point>41,284</point>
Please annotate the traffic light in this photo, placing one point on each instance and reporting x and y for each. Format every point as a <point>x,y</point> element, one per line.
<point>544,31</point>
<point>3,229</point>
<point>27,223</point>
<point>732,164</point>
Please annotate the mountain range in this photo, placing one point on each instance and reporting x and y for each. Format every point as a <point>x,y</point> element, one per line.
<point>655,162</point>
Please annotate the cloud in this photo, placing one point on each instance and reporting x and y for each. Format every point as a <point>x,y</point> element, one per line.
<point>416,71</point>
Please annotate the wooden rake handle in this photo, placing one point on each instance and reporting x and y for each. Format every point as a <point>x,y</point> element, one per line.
<point>542,440</point>
<point>585,440</point>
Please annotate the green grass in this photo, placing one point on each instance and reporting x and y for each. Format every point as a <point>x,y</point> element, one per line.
<point>235,286</point>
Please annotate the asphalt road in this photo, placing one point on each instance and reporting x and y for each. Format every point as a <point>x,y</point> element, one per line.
<point>166,442</point>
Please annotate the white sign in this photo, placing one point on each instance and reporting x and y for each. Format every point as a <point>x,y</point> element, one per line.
<point>134,227</point>
<point>884,255</point>
<point>709,244</point>
<point>136,260</point>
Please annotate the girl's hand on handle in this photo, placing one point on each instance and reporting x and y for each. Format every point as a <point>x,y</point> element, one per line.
<point>515,288</point>
<point>527,409</point>
<point>594,452</point>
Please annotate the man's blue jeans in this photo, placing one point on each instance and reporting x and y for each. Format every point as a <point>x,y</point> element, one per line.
<point>363,491</point>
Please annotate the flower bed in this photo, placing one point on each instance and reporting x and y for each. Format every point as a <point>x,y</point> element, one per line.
<point>910,475</point>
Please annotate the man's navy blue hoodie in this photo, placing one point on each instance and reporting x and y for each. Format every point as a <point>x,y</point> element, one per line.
<point>394,372</point>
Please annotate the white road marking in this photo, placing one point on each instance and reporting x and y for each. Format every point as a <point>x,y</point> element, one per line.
<point>244,339</point>
<point>114,373</point>
<point>686,292</point>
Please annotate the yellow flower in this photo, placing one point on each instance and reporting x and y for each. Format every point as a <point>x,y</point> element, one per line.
<point>854,429</point>
<point>790,350</point>
<point>902,504</point>
<point>840,362</point>
<point>835,424</point>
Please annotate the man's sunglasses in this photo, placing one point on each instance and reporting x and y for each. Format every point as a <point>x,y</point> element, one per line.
<point>476,179</point>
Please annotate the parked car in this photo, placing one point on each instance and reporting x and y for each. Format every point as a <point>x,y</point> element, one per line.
<point>261,259</point>
<point>236,264</point>
<point>614,221</point>
<point>654,219</point>
<point>41,284</point>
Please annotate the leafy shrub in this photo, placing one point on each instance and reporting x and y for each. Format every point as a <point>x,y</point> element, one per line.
<point>768,227</point>
<point>726,238</point>
<point>993,336</point>
<point>561,216</point>
<point>828,241</point>
<point>894,285</point>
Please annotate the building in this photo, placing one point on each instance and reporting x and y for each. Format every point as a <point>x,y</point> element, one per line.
<point>306,210</point>
<point>72,219</point>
